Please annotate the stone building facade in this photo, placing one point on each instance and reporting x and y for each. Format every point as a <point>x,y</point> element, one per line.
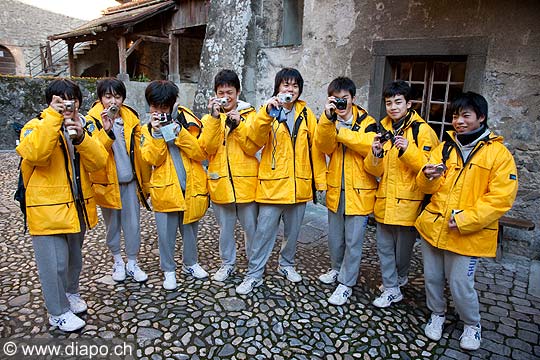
<point>491,47</point>
<point>440,47</point>
<point>23,28</point>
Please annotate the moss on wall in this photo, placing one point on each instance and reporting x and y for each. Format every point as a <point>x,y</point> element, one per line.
<point>22,98</point>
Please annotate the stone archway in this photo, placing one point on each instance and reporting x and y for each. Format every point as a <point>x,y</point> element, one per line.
<point>7,62</point>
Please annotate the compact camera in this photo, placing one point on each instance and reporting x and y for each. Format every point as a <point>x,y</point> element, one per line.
<point>223,101</point>
<point>440,168</point>
<point>285,97</point>
<point>341,104</point>
<point>69,105</point>
<point>112,111</point>
<point>164,118</point>
<point>387,135</point>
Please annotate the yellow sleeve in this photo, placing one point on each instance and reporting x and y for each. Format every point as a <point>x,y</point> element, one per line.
<point>325,135</point>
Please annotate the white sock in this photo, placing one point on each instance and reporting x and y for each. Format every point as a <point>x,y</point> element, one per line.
<point>131,263</point>
<point>118,258</point>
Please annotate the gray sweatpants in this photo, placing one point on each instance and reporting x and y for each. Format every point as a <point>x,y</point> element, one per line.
<point>167,224</point>
<point>59,264</point>
<point>394,246</point>
<point>459,270</point>
<point>226,215</point>
<point>126,220</point>
<point>345,241</point>
<point>265,235</point>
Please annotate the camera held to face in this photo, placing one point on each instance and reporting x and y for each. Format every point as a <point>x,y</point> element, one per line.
<point>223,101</point>
<point>164,118</point>
<point>285,98</point>
<point>341,103</point>
<point>69,105</point>
<point>112,111</point>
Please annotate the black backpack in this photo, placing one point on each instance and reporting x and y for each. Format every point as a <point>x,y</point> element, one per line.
<point>20,192</point>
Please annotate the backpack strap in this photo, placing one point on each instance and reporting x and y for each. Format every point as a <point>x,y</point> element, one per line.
<point>299,119</point>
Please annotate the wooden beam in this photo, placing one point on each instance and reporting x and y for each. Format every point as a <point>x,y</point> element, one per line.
<point>157,39</point>
<point>174,61</point>
<point>122,66</point>
<point>71,60</point>
<point>133,47</point>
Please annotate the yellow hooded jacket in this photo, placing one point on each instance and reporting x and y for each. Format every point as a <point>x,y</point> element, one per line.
<point>360,186</point>
<point>285,171</point>
<point>482,189</point>
<point>232,165</point>
<point>105,181</point>
<point>399,199</point>
<point>165,190</point>
<point>48,176</point>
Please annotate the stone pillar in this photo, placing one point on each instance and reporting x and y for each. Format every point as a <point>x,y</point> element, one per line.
<point>224,46</point>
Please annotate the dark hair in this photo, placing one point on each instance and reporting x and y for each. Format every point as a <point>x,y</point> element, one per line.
<point>287,74</point>
<point>111,86</point>
<point>66,89</point>
<point>398,87</point>
<point>473,101</point>
<point>161,93</point>
<point>226,77</point>
<point>342,83</point>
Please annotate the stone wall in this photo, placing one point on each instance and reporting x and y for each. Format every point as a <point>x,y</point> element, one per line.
<point>22,98</point>
<point>24,27</point>
<point>337,40</point>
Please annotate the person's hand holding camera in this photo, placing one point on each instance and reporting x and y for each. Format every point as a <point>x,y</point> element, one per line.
<point>401,143</point>
<point>106,120</point>
<point>330,108</point>
<point>377,146</point>
<point>214,107</point>
<point>433,171</point>
<point>155,121</point>
<point>57,103</point>
<point>272,103</point>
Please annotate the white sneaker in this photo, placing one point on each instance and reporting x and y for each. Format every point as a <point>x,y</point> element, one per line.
<point>340,295</point>
<point>136,273</point>
<point>330,277</point>
<point>76,304</point>
<point>223,273</point>
<point>67,322</point>
<point>388,297</point>
<point>471,337</point>
<point>119,271</point>
<point>248,285</point>
<point>434,327</point>
<point>290,273</point>
<point>170,280</point>
<point>195,270</point>
<point>402,281</point>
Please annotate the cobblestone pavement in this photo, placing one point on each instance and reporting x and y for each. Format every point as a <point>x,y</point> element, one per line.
<point>206,319</point>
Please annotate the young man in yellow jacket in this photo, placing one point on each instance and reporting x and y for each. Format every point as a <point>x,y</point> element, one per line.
<point>473,179</point>
<point>290,167</point>
<point>178,181</point>
<point>399,151</point>
<point>121,186</point>
<point>345,132</point>
<point>57,155</point>
<point>232,167</point>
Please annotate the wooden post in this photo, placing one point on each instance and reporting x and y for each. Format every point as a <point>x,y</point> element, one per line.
<point>174,61</point>
<point>122,66</point>
<point>71,60</point>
